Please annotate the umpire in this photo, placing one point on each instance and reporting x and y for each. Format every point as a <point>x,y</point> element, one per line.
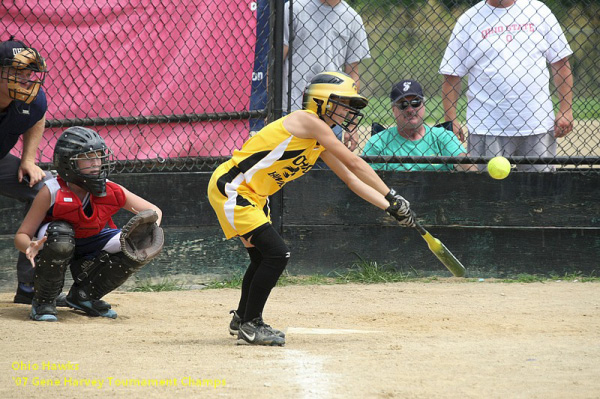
<point>22,113</point>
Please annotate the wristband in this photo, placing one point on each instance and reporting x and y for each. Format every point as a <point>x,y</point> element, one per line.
<point>391,196</point>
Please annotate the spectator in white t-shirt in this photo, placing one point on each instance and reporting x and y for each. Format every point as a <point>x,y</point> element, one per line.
<point>503,46</point>
<point>328,36</point>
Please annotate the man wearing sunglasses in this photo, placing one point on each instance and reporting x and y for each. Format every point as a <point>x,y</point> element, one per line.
<point>410,136</point>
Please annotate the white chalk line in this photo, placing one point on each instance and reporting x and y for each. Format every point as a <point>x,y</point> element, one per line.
<point>308,374</point>
<point>327,331</point>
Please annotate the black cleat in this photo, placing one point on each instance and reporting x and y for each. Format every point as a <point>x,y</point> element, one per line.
<point>92,307</point>
<point>234,325</point>
<point>43,311</point>
<point>256,332</point>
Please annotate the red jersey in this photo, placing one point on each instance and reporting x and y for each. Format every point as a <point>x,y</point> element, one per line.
<point>68,207</point>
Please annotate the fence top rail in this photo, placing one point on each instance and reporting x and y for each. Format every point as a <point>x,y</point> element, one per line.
<point>580,160</point>
<point>156,119</point>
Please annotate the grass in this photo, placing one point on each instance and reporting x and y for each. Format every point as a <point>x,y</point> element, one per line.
<point>370,272</point>
<point>313,279</point>
<point>233,281</point>
<point>576,276</point>
<point>149,285</point>
<point>524,278</point>
<point>362,272</point>
<point>536,278</point>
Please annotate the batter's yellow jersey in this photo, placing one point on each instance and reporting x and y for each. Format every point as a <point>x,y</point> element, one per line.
<point>272,158</point>
<point>239,189</point>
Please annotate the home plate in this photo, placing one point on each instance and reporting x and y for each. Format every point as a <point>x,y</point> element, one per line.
<point>326,331</point>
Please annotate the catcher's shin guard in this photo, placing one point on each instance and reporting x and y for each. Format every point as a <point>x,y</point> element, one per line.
<point>52,261</point>
<point>105,274</point>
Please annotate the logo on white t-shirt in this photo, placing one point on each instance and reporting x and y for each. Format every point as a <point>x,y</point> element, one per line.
<point>510,29</point>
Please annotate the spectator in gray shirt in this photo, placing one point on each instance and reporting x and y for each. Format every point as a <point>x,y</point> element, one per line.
<point>328,36</point>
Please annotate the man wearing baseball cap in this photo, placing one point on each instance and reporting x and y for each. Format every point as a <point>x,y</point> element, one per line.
<point>22,113</point>
<point>410,136</point>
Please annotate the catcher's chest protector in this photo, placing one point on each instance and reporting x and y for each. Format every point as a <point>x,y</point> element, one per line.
<point>68,207</point>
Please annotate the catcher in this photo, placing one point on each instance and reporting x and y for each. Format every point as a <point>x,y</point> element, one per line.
<point>66,226</point>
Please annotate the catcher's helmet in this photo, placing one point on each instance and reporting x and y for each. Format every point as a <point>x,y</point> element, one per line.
<point>328,91</point>
<point>24,69</point>
<point>80,143</point>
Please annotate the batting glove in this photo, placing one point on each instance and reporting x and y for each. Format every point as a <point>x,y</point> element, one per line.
<point>399,209</point>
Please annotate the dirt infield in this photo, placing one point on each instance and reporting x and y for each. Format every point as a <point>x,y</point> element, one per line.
<point>447,339</point>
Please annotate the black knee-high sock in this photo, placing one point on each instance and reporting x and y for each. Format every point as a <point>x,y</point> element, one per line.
<point>255,259</point>
<point>275,255</point>
<point>255,306</point>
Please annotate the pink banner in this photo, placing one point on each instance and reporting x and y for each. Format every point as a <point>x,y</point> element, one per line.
<point>144,57</point>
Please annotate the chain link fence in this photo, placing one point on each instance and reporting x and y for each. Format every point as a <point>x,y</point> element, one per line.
<point>166,83</point>
<point>408,40</point>
<point>178,85</point>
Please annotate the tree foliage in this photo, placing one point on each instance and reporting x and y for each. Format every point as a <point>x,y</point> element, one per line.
<point>450,4</point>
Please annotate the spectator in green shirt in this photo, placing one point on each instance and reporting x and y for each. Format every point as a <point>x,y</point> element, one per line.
<point>410,136</point>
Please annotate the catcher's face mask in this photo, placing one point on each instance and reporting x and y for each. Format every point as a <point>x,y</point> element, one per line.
<point>93,163</point>
<point>92,169</point>
<point>25,75</point>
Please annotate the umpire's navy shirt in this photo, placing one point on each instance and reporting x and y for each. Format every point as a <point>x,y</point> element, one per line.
<point>13,122</point>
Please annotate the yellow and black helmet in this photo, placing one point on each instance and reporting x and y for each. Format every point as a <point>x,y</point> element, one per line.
<point>328,91</point>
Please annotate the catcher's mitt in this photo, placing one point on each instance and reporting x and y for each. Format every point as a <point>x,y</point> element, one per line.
<point>141,238</point>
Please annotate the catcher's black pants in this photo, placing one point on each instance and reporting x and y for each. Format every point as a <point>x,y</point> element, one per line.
<point>10,187</point>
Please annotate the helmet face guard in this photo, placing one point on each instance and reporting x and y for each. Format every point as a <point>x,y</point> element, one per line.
<point>335,94</point>
<point>339,106</point>
<point>25,74</point>
<point>98,166</point>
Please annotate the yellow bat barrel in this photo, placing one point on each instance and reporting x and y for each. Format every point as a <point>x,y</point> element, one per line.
<point>442,253</point>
